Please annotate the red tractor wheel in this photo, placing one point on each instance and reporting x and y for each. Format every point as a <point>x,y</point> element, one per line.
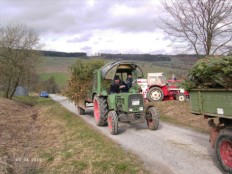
<point>152,118</point>
<point>100,111</point>
<point>180,97</point>
<point>223,150</point>
<point>155,94</point>
<point>113,122</point>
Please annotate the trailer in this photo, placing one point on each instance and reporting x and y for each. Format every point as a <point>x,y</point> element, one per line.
<point>216,105</point>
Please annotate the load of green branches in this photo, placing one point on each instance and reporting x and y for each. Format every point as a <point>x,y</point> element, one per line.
<point>210,72</point>
<point>80,83</point>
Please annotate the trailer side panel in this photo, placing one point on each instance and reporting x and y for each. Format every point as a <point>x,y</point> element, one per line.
<point>211,102</point>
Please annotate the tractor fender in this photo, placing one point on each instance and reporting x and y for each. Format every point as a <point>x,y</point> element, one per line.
<point>94,95</point>
<point>111,102</point>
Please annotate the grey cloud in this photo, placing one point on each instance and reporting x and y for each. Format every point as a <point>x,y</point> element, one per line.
<point>166,37</point>
<point>134,24</point>
<point>75,16</point>
<point>82,38</point>
<point>86,48</point>
<point>54,19</point>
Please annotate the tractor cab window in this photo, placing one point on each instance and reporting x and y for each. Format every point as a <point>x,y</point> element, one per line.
<point>157,80</point>
<point>139,72</point>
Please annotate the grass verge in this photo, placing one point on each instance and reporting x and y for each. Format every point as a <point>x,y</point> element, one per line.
<point>61,142</point>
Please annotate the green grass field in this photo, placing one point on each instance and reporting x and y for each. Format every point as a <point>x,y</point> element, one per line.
<point>56,61</point>
<point>59,68</point>
<point>60,78</point>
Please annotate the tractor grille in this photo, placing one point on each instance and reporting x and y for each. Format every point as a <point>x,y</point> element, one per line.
<point>135,100</point>
<point>120,100</point>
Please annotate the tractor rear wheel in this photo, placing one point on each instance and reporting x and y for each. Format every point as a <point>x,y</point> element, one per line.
<point>155,94</point>
<point>223,150</point>
<point>113,122</point>
<point>100,110</point>
<point>180,97</point>
<point>80,111</point>
<point>153,120</point>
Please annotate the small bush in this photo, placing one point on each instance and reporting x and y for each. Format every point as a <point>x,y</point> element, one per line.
<point>81,80</point>
<point>210,72</point>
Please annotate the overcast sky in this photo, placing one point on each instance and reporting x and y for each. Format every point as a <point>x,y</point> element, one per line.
<point>92,26</point>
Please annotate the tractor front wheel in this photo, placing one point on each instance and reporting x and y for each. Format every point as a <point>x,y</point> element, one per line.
<point>152,118</point>
<point>113,122</point>
<point>155,94</point>
<point>223,150</point>
<point>100,110</point>
<point>180,97</point>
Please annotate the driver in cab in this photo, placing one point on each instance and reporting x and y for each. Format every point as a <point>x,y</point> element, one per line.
<point>118,86</point>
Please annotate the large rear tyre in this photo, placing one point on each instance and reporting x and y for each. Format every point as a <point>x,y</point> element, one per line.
<point>100,110</point>
<point>113,122</point>
<point>180,97</point>
<point>80,111</point>
<point>155,94</point>
<point>153,120</point>
<point>223,151</point>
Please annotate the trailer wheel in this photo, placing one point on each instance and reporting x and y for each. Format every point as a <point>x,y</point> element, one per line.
<point>100,110</point>
<point>180,97</point>
<point>80,111</point>
<point>155,94</point>
<point>153,121</point>
<point>113,122</point>
<point>223,150</point>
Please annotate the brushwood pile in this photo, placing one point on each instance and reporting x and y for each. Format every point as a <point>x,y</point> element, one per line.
<point>210,72</point>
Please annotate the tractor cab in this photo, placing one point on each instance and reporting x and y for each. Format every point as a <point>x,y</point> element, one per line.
<point>156,79</point>
<point>122,70</point>
<point>104,77</point>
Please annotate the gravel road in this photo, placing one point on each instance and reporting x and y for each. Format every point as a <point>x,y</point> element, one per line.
<point>168,150</point>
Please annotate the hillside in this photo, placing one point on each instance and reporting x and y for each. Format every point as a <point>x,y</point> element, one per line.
<point>58,67</point>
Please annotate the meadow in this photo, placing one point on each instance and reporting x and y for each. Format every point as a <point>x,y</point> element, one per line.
<point>58,67</point>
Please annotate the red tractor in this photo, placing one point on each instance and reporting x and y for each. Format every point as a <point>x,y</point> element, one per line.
<point>156,88</point>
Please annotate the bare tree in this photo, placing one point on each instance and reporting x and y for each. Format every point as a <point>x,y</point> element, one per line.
<point>17,56</point>
<point>230,51</point>
<point>203,26</point>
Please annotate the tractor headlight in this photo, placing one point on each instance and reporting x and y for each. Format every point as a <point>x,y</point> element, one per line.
<point>140,108</point>
<point>130,109</point>
<point>135,102</point>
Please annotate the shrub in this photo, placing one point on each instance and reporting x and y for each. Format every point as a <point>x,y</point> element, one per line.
<point>80,83</point>
<point>210,72</point>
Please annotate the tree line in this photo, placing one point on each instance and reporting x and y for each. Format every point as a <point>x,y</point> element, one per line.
<point>140,57</point>
<point>62,54</point>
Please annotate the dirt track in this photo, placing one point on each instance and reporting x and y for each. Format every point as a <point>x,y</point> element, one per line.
<point>168,150</point>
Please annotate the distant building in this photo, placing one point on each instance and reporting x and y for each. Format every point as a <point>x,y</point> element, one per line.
<point>21,91</point>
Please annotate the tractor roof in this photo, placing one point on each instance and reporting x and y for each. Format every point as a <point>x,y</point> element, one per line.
<point>108,71</point>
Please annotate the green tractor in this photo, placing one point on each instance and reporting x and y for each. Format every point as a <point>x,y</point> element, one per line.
<point>112,108</point>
